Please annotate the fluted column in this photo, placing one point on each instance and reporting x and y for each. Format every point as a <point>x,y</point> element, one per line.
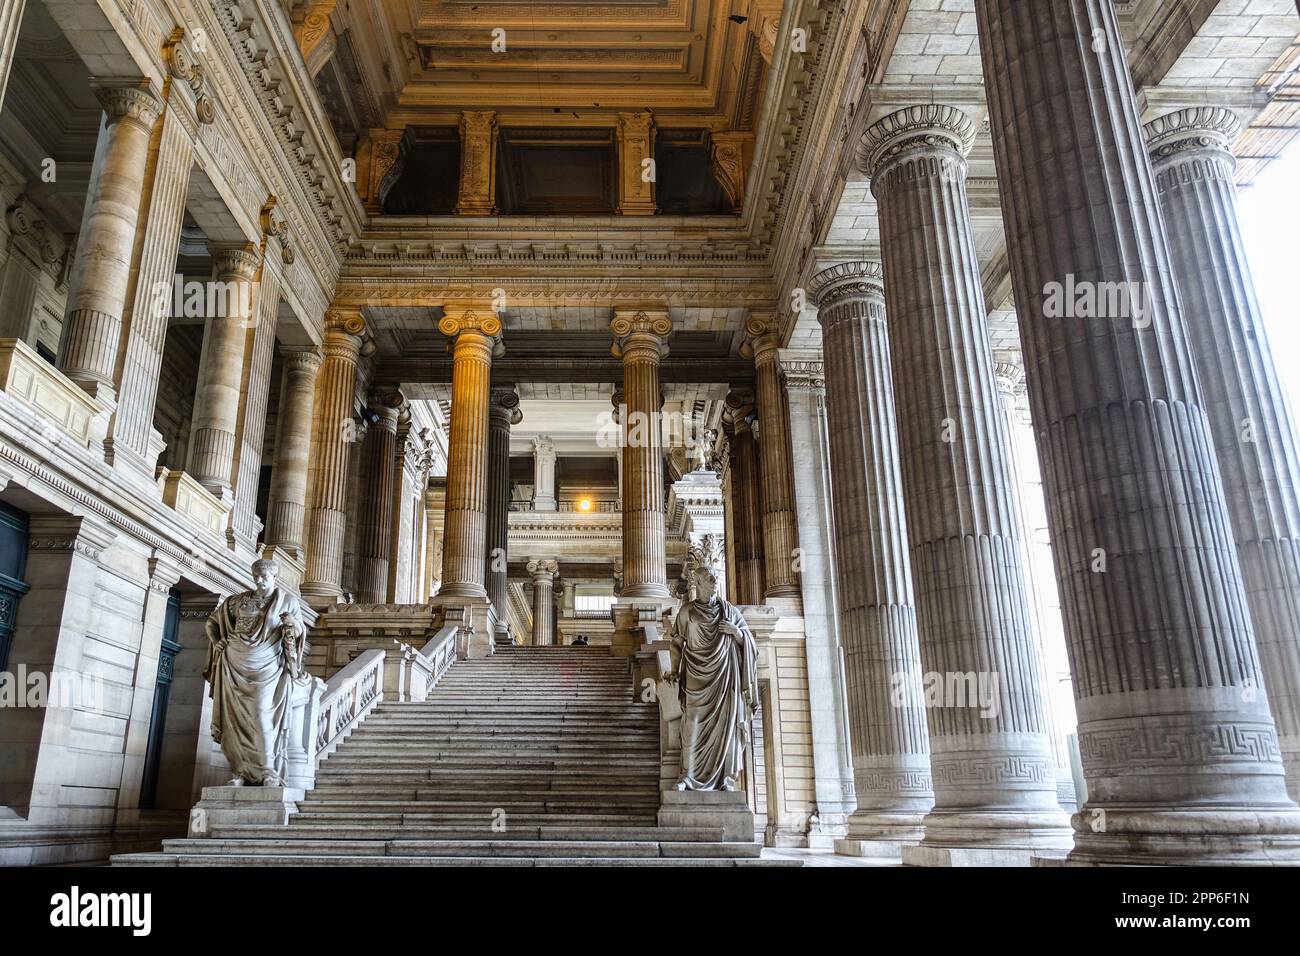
<point>641,343</point>
<point>991,756</point>
<point>543,574</point>
<point>378,494</point>
<point>1178,746</point>
<point>11,16</point>
<point>747,511</point>
<point>254,394</point>
<point>503,412</point>
<point>131,438</point>
<point>1250,420</point>
<point>465,535</point>
<point>221,373</point>
<point>288,498</point>
<point>877,606</point>
<point>333,432</point>
<point>91,333</point>
<point>780,533</point>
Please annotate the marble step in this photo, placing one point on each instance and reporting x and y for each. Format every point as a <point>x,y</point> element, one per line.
<point>479,762</point>
<point>238,859</point>
<point>342,831</point>
<point>501,847</point>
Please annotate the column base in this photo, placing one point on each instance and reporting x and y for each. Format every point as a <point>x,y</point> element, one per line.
<point>715,809</point>
<point>942,856</point>
<point>636,622</point>
<point>321,596</point>
<point>876,833</point>
<point>1145,836</point>
<point>1015,831</point>
<point>231,806</point>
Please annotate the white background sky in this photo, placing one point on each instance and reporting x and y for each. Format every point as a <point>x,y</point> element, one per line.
<point>1270,224</point>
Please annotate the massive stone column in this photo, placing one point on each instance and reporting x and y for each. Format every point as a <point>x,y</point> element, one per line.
<point>543,574</point>
<point>11,17</point>
<point>1250,419</point>
<point>877,604</point>
<point>780,534</point>
<point>640,342</point>
<point>746,507</point>
<point>333,432</point>
<point>991,757</point>
<point>1179,748</point>
<point>254,393</point>
<point>88,355</point>
<point>435,509</point>
<point>378,492</point>
<point>543,473</point>
<point>132,439</point>
<point>221,372</point>
<point>288,498</point>
<point>503,412</point>
<point>465,535</point>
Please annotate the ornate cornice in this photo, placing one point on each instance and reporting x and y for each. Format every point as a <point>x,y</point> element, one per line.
<point>915,129</point>
<point>846,281</point>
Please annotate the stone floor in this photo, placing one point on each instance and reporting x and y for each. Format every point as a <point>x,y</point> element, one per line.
<point>824,857</point>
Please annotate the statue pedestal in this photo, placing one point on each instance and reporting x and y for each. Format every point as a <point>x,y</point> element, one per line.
<point>718,809</point>
<point>228,806</point>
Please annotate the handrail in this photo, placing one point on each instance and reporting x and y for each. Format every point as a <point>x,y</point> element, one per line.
<point>349,697</point>
<point>440,652</point>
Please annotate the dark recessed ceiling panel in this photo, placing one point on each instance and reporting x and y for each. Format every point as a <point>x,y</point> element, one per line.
<point>684,183</point>
<point>548,171</point>
<point>429,182</point>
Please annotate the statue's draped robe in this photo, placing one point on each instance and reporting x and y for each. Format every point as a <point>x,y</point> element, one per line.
<point>251,687</point>
<point>717,673</point>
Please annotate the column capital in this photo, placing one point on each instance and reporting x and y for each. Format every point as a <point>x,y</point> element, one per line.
<point>916,129</point>
<point>543,570</point>
<point>847,281</point>
<point>384,407</point>
<point>802,369</point>
<point>301,358</point>
<point>543,446</point>
<point>1201,127</point>
<point>762,336</point>
<point>642,326</point>
<point>237,260</point>
<point>503,406</point>
<point>345,320</point>
<point>469,318</point>
<point>132,99</point>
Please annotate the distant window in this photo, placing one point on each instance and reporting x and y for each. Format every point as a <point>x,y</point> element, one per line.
<point>593,602</point>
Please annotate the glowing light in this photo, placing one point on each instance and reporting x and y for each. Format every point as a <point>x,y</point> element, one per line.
<point>584,504</point>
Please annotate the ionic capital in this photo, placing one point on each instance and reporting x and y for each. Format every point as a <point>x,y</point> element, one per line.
<point>915,130</point>
<point>543,571</point>
<point>638,331</point>
<point>503,407</point>
<point>480,320</point>
<point>762,337</point>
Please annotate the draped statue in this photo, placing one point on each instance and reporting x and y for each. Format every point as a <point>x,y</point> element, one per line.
<point>716,677</point>
<point>256,642</point>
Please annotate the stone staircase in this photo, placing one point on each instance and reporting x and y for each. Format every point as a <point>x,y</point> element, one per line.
<point>532,757</point>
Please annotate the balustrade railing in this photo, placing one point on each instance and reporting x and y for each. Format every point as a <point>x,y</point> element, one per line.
<point>350,695</point>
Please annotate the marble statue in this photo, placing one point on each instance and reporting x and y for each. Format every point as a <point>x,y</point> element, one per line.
<point>256,643</point>
<point>716,677</point>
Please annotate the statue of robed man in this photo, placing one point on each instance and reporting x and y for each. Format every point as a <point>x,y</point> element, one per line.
<point>256,642</point>
<point>717,677</point>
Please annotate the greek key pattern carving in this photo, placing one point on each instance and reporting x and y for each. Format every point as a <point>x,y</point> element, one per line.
<point>1155,746</point>
<point>988,772</point>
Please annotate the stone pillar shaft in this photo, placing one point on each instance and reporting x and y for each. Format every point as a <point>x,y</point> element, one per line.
<point>780,534</point>
<point>877,604</point>
<point>1250,418</point>
<point>254,394</point>
<point>465,533</point>
<point>641,346</point>
<point>746,509</point>
<point>162,206</point>
<point>543,574</point>
<point>1178,745</point>
<point>91,333</point>
<point>992,765</point>
<point>221,374</point>
<point>333,433</point>
<point>503,412</point>
<point>378,493</point>
<point>288,499</point>
<point>11,17</point>
<point>543,474</point>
